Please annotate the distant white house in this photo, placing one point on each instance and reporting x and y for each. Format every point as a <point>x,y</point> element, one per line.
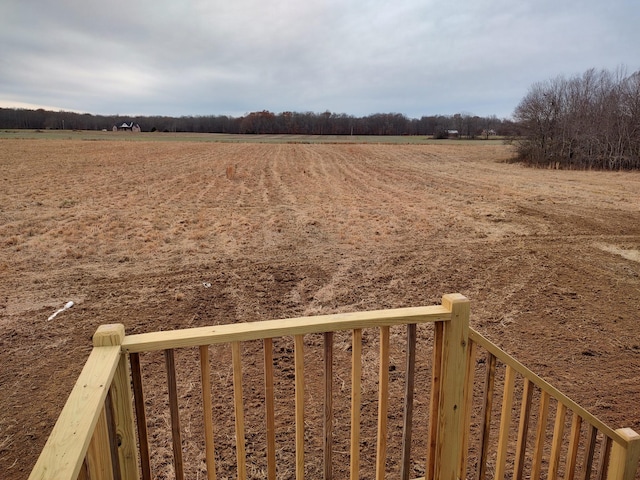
<point>127,127</point>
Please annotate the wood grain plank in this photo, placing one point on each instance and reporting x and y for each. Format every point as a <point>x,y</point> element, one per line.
<point>545,386</point>
<point>487,406</point>
<point>327,424</point>
<point>572,449</point>
<point>456,340</point>
<point>541,434</point>
<point>523,429</point>
<point>238,407</point>
<point>207,411</point>
<point>434,401</point>
<point>603,461</point>
<point>176,435</point>
<point>299,404</point>
<point>99,452</point>
<point>556,444</point>
<point>356,389</point>
<point>270,410</point>
<point>409,387</point>
<point>623,462</point>
<point>278,328</point>
<point>64,452</point>
<point>470,371</point>
<point>505,423</point>
<point>383,404</point>
<point>141,417</point>
<point>589,452</point>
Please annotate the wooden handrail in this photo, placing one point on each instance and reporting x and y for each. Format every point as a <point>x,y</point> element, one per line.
<point>545,386</point>
<point>240,332</point>
<point>66,447</point>
<point>83,440</point>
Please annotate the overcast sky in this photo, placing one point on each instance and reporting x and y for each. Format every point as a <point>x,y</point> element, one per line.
<point>208,57</point>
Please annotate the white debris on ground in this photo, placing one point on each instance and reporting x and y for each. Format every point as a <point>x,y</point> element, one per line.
<point>67,305</point>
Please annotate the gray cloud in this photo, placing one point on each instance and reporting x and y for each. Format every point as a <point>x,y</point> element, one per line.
<point>359,57</point>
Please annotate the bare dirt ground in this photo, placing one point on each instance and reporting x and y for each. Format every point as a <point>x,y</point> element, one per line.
<point>129,231</point>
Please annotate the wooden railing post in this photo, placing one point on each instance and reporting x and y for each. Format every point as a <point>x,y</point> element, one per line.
<point>623,462</point>
<point>450,424</point>
<point>111,335</point>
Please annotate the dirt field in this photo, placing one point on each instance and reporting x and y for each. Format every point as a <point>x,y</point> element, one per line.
<point>129,231</point>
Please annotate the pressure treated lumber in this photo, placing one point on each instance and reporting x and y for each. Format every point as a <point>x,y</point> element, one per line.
<point>523,429</point>
<point>623,462</point>
<point>327,424</point>
<point>141,416</point>
<point>66,447</point>
<point>505,423</point>
<point>383,404</point>
<point>207,407</point>
<point>470,370</point>
<point>356,386</point>
<point>456,339</point>
<point>98,454</point>
<point>298,356</point>
<point>176,435</point>
<point>541,432</point>
<point>545,386</point>
<point>434,401</point>
<point>270,409</point>
<point>487,405</point>
<point>556,444</point>
<point>572,449</point>
<point>238,407</point>
<point>409,384</point>
<point>192,337</point>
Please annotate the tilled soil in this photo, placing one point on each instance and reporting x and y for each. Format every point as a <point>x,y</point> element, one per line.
<point>160,236</point>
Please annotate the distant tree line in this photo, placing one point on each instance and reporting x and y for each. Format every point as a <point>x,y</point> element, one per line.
<point>264,122</point>
<point>589,121</point>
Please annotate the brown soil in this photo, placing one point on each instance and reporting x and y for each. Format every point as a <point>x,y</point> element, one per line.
<point>130,231</point>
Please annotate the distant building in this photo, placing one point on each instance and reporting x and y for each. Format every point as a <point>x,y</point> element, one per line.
<point>453,133</point>
<point>127,127</point>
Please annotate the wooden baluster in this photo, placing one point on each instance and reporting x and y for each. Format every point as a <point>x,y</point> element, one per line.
<point>603,462</point>
<point>469,376</point>
<point>356,382</point>
<point>523,428</point>
<point>207,407</point>
<point>434,406</point>
<point>541,431</point>
<point>327,426</point>
<point>505,423</point>
<point>574,442</point>
<point>113,436</point>
<point>141,419</point>
<point>556,445</point>
<point>270,409</point>
<point>487,405</point>
<point>589,451</point>
<point>383,404</point>
<point>409,383</point>
<point>238,407</point>
<point>175,416</point>
<point>299,403</point>
<point>99,451</point>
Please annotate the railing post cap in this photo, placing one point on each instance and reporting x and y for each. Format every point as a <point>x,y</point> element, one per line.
<point>109,335</point>
<point>452,298</point>
<point>629,434</point>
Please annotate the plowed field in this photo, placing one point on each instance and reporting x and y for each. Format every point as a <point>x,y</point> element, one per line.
<point>133,232</point>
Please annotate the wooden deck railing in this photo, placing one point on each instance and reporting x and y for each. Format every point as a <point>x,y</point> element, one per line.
<point>97,437</point>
